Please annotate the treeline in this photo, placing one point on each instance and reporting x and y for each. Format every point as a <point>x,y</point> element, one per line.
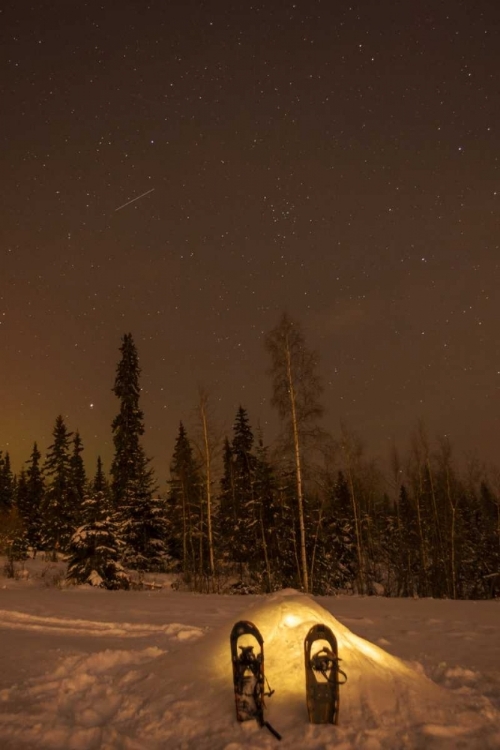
<point>310,512</point>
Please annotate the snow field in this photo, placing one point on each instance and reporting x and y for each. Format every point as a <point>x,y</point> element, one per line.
<point>83,669</point>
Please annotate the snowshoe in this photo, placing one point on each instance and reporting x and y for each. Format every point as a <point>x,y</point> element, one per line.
<point>322,675</point>
<point>248,674</point>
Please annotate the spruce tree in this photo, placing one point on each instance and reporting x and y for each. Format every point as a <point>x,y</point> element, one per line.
<point>144,529</point>
<point>21,502</point>
<point>58,507</point>
<point>95,549</point>
<point>12,539</point>
<point>78,477</point>
<point>7,483</point>
<point>100,483</point>
<point>238,518</point>
<point>409,546</point>
<point>128,425</point>
<point>244,462</point>
<point>227,509</point>
<point>226,517</point>
<point>288,573</point>
<point>22,542</point>
<point>337,559</point>
<point>184,506</point>
<point>479,547</point>
<point>31,500</point>
<point>142,517</point>
<point>268,516</point>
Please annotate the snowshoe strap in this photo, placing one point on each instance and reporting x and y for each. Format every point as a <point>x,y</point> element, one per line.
<point>339,671</point>
<point>269,689</point>
<point>325,661</point>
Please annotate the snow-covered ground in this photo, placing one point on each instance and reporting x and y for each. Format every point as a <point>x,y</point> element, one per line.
<point>84,669</point>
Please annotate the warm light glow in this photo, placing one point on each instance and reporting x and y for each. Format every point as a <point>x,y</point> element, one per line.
<point>291,620</point>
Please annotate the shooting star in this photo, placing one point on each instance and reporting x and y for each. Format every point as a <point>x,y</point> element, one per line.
<point>134,199</point>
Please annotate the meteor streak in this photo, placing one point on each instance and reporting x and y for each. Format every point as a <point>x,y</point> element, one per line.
<point>134,199</point>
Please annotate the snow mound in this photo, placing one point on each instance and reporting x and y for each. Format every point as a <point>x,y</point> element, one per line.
<point>379,686</point>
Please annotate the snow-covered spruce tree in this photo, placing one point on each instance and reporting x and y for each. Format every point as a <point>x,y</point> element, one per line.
<point>143,526</point>
<point>101,484</point>
<point>336,560</point>
<point>30,500</point>
<point>78,477</point>
<point>287,571</point>
<point>12,539</point>
<point>58,511</point>
<point>238,519</point>
<point>244,463</point>
<point>226,509</point>
<point>184,507</point>
<point>409,569</point>
<point>20,542</point>
<point>20,502</point>
<point>141,516</point>
<point>7,483</point>
<point>351,452</point>
<point>12,535</point>
<point>95,548</point>
<point>268,515</point>
<point>483,536</point>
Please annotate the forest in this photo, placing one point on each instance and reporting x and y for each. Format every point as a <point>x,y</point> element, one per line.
<point>311,511</point>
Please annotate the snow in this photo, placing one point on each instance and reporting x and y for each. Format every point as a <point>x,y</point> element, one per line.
<point>87,669</point>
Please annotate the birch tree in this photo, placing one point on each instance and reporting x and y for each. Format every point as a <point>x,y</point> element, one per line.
<point>296,392</point>
<point>206,445</point>
<point>351,450</point>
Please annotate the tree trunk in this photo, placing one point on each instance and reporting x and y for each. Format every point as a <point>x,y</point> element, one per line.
<point>357,528</point>
<point>315,545</point>
<point>208,483</point>
<point>298,475</point>
<point>347,449</point>
<point>453,564</point>
<point>264,548</point>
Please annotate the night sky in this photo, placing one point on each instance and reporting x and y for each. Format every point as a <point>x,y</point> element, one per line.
<point>337,160</point>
